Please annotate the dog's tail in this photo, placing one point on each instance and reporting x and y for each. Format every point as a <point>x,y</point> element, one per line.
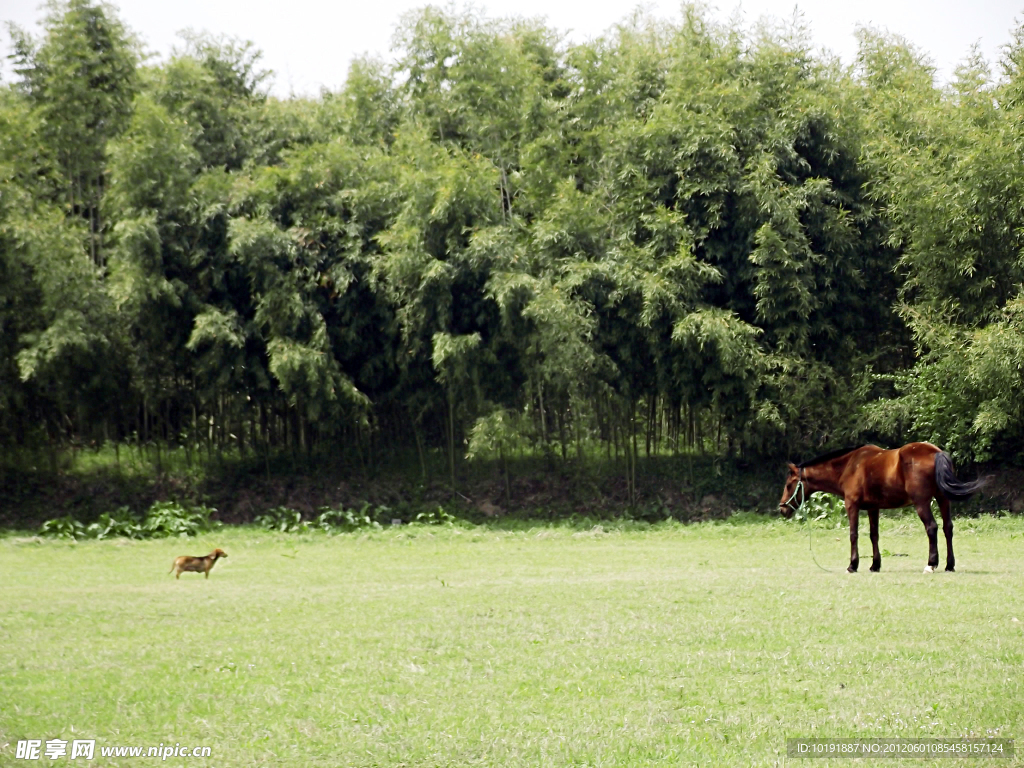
<point>945,478</point>
<point>172,566</point>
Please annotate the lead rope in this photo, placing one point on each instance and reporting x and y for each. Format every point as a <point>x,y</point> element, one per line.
<point>810,536</point>
<point>810,544</point>
<point>810,531</point>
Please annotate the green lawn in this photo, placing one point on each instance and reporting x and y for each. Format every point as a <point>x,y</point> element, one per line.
<point>707,644</point>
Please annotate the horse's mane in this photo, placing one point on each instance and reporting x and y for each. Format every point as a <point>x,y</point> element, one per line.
<point>827,457</point>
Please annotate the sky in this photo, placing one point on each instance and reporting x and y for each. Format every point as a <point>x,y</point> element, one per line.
<point>309,43</point>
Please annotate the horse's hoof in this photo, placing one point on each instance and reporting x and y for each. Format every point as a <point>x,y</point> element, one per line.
<point>950,569</point>
<point>876,568</point>
<point>851,569</point>
<point>929,569</point>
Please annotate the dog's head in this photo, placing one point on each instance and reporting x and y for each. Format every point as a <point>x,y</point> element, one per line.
<point>219,553</point>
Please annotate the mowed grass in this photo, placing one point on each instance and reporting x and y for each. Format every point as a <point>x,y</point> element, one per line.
<point>707,644</point>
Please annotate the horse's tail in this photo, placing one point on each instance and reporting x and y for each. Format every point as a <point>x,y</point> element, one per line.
<point>945,478</point>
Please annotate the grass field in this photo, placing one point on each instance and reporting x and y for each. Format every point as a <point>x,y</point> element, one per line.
<point>707,644</point>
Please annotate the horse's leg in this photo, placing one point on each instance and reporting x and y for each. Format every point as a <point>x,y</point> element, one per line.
<point>947,528</point>
<point>876,556</point>
<point>852,513</point>
<point>924,511</point>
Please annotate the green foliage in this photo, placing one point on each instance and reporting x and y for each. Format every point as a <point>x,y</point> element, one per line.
<point>946,166</point>
<point>680,236</point>
<point>81,81</point>
<point>330,520</point>
<point>341,520</point>
<point>966,392</point>
<point>162,519</point>
<point>336,520</point>
<point>214,85</point>
<point>822,507</point>
<point>63,528</point>
<point>496,434</point>
<point>435,517</point>
<point>121,523</point>
<point>282,519</point>
<point>169,518</point>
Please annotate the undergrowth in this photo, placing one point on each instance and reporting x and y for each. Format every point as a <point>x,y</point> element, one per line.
<point>162,519</point>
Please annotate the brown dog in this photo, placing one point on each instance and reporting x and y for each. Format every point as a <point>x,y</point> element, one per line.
<point>197,564</point>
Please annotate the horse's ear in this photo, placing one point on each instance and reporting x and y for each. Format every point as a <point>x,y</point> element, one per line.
<point>792,467</point>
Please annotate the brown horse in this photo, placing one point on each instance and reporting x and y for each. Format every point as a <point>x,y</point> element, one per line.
<point>871,479</point>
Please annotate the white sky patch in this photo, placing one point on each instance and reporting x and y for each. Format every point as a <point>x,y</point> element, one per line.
<point>309,43</point>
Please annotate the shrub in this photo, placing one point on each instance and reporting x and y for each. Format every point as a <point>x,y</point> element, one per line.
<point>435,517</point>
<point>169,518</point>
<point>282,519</point>
<point>121,523</point>
<point>342,520</point>
<point>63,528</point>
<point>164,518</point>
<point>820,506</point>
<point>339,520</point>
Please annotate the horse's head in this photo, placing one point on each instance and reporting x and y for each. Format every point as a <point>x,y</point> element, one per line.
<point>792,493</point>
